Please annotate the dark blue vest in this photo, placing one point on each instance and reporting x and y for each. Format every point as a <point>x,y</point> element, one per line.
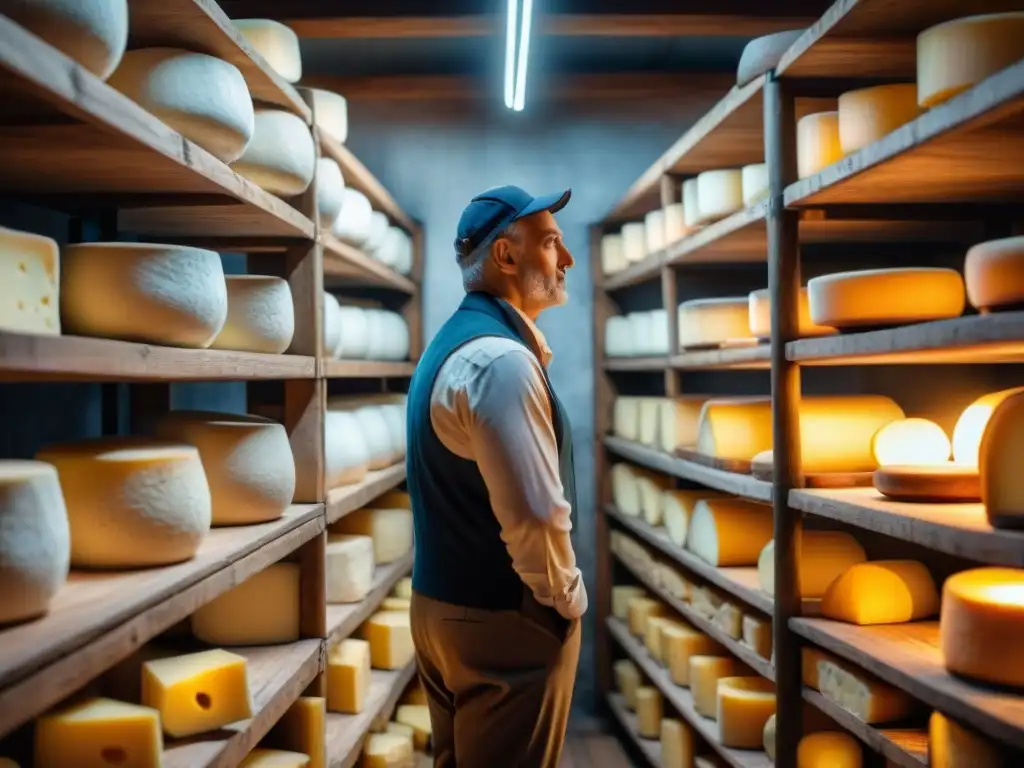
<point>460,557</point>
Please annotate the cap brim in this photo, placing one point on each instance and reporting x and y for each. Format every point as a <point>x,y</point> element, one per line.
<point>553,203</point>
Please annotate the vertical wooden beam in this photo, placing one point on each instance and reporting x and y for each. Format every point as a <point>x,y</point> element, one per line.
<point>312,558</point>
<point>413,314</point>
<point>671,190</point>
<point>669,302</point>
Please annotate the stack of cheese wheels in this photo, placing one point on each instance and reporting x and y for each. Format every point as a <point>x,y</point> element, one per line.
<point>764,53</point>
<point>994,274</point>
<point>678,421</point>
<point>714,322</point>
<point>35,547</point>
<point>626,417</point>
<point>675,223</point>
<point>817,142</point>
<point>719,193</point>
<point>634,241</point>
<point>346,452</point>
<point>381,428</point>
<point>203,98</point>
<point>160,294</point>
<point>729,532</point>
<point>330,191</point>
<point>281,157</point>
<point>330,111</point>
<point>868,114</point>
<point>654,227</point>
<point>262,610</point>
<point>824,556</point>
<point>754,182</point>
<point>760,314</point>
<point>355,223</point>
<point>618,341</point>
<point>332,329</point>
<point>261,315</point>
<point>276,43</point>
<point>625,491</point>
<point>387,520</point>
<point>691,203</point>
<point>248,461</point>
<point>132,502</point>
<point>395,250</point>
<point>648,332</point>
<point>613,255</point>
<point>367,334</point>
<point>30,276</point>
<point>883,297</point>
<point>353,338</point>
<point>881,592</point>
<point>379,225</point>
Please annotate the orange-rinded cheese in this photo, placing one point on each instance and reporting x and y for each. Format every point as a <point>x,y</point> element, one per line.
<point>744,706</point>
<point>817,142</point>
<point>677,744</point>
<point>679,419</point>
<point>862,694</point>
<point>759,309</point>
<point>648,711</point>
<point>951,745</point>
<point>829,749</point>
<point>757,635</point>
<point>728,532</point>
<point>868,114</point>
<point>1002,489</point>
<point>679,645</point>
<point>677,508</point>
<point>994,273</point>
<point>705,672</point>
<point>824,556</point>
<point>881,592</point>
<point>735,427</point>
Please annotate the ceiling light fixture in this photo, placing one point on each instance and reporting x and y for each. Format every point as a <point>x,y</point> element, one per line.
<point>524,55</point>
<point>510,52</point>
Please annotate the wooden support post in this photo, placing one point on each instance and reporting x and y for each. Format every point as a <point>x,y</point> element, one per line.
<point>669,302</point>
<point>412,311</point>
<point>312,558</point>
<point>671,190</point>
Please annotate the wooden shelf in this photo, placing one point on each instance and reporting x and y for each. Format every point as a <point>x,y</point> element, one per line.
<point>353,267</point>
<point>345,733</point>
<point>357,176</point>
<point>636,363</point>
<point>682,701</point>
<point>752,357</point>
<point>278,674</point>
<point>367,369</point>
<point>99,618</point>
<point>730,482</point>
<point>908,656</point>
<point>649,748</point>
<point>344,618</point>
<point>348,498</point>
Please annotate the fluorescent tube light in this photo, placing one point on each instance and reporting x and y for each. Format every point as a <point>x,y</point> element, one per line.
<point>510,52</point>
<point>524,53</point>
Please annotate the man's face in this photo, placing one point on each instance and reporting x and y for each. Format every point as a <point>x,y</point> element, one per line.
<point>541,263</point>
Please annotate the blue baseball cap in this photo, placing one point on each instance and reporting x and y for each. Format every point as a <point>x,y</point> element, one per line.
<point>490,212</point>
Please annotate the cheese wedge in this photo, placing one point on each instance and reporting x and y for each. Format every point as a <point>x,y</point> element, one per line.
<point>417,717</point>
<point>824,556</point>
<point>830,749</point>
<point>99,732</point>
<point>29,282</point>
<point>390,527</point>
<point>729,532</point>
<point>303,729</point>
<point>951,745</point>
<point>679,420</point>
<point>861,694</point>
<point>743,708</point>
<point>881,592</point>
<point>349,568</point>
<point>809,660</point>
<point>705,672</point>
<point>348,676</point>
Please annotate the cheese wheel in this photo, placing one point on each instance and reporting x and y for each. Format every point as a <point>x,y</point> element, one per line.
<point>743,708</point>
<point>641,609</point>
<point>824,556</point>
<point>346,454</point>
<point>754,182</point>
<point>261,316</point>
<point>649,410</point>
<point>613,255</point>
<point>994,274</point>
<point>640,330</point>
<point>132,502</point>
<point>374,428</point>
<point>881,592</point>
<point>817,142</point>
<point>247,459</point>
<point>92,32</point>
<point>160,294</point>
<point>868,114</point>
<point>332,330</point>
<point>714,322</point>
<point>354,224</point>
<point>885,296</point>
<point>681,644</point>
<point>203,98</point>
<point>764,53</point>
<point>829,749</point>
<point>861,694</point>
<point>951,745</point>
<point>281,157</point>
<point>625,491</point>
<point>675,223</point>
<point>353,333</point>
<point>626,417</point>
<point>959,54</point>
<point>29,283</point>
<point>679,420</point>
<point>648,712</point>
<point>677,508</point>
<point>618,341</point>
<point>735,428</point>
<point>910,442</point>
<point>634,241</point>
<point>650,487</point>
<point>719,193</point>
<point>705,672</point>
<point>379,226</point>
<point>88,731</point>
<point>277,43</point>
<point>677,744</point>
<point>726,532</point>
<point>760,316</point>
<point>654,226</point>
<point>1000,478</point>
<point>971,426</point>
<point>330,191</point>
<point>262,610</point>
<point>837,432</point>
<point>330,112</point>
<point>691,203</point>
<point>35,543</point>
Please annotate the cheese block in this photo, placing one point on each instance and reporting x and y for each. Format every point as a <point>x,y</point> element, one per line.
<point>837,432</point>
<point>277,43</point>
<point>881,592</point>
<point>29,283</point>
<point>346,454</point>
<point>618,340</point>
<point>613,254</point>
<point>389,527</point>
<point>999,474</point>
<point>648,712</point>
<point>94,33</point>
<point>864,696</point>
<point>675,223</point>
<point>303,729</point>
<point>197,692</point>
<point>829,749</point>
<point>959,54</point>
<point>691,203</point>
<point>634,241</point>
<point>705,601</point>
<point>651,486</point>
<point>654,226</point>
<point>35,540</point>
<point>809,661</point>
<point>627,680</point>
<point>670,580</point>
<point>910,442</point>
<point>416,716</point>
<point>764,53</point>
<point>640,609</point>
<point>680,644</point>
<point>403,588</point>
<point>679,419</point>
<point>735,427</point>
<point>994,274</point>
<point>99,732</point>
<point>726,532</point>
<point>951,745</point>
<point>867,115</point>
<point>247,460</point>
<point>677,508</point>
<point>729,619</point>
<point>274,758</point>
<point>349,568</point>
<point>626,417</point>
<point>131,502</point>
<point>621,595</point>
<point>817,142</point>
<point>159,294</point>
<point>677,744</point>
<point>348,676</point>
<point>760,316</point>
<point>401,728</point>
<point>261,316</point>
<point>971,425</point>
<point>353,334</point>
<point>330,191</point>
<point>705,672</point>
<point>714,322</point>
<point>262,610</point>
<point>658,341</point>
<point>354,224</point>
<point>875,297</point>
<point>754,182</point>
<point>281,158</point>
<point>625,492</point>
<point>203,98</point>
<point>768,738</point>
<point>824,557</point>
<point>386,750</point>
<point>719,193</point>
<point>390,637</point>
<point>757,635</point>
<point>330,112</point>
<point>649,413</point>
<point>743,707</point>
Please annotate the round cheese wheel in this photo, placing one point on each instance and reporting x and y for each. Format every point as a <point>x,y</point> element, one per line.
<point>159,294</point>
<point>30,272</point>
<point>760,310</point>
<point>390,251</point>
<point>764,53</point>
<point>754,182</point>
<point>277,43</point>
<point>331,325</point>
<point>994,273</point>
<point>374,429</point>
<point>658,343</point>
<point>910,442</point>
<point>377,343</point>
<point>829,748</point>
<point>331,113</point>
<point>281,157</point>
<point>378,231</point>
<point>951,745</point>
<point>971,425</point>
<point>92,32</point>
<point>868,114</point>
<point>713,322</point>
<point>404,257</point>
<point>654,227</point>
<point>203,98</point>
<point>639,332</point>
<point>261,316</point>
<point>394,417</point>
<point>346,455</point>
<point>248,462</point>
<point>355,223</point>
<point>353,334</point>
<point>691,203</point>
<point>618,340</point>
<point>396,336</point>
<point>876,297</point>
<point>675,223</point>
<point>35,543</point>
<point>719,193</point>
<point>817,142</point>
<point>132,502</point>
<point>634,241</point>
<point>330,191</point>
<point>613,256</point>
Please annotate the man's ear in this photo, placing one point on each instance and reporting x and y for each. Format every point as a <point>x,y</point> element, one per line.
<point>503,255</point>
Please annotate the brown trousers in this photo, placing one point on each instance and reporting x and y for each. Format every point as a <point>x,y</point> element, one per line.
<point>499,683</point>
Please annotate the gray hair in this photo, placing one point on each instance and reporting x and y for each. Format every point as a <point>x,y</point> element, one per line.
<point>472,266</point>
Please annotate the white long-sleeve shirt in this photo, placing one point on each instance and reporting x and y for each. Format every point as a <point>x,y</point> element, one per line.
<point>490,405</point>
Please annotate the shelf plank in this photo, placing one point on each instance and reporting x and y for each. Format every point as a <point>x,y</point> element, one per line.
<point>367,369</point>
<point>636,363</point>
<point>99,618</point>
<point>730,482</point>
<point>348,498</point>
<point>741,237</point>
<point>649,748</point>
<point>752,357</point>
<point>278,674</point>
<point>358,176</point>
<point>682,701</point>
<point>345,733</point>
<point>908,656</point>
<point>344,619</point>
<point>353,267</point>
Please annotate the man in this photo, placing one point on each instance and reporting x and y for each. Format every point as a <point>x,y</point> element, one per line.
<point>497,595</point>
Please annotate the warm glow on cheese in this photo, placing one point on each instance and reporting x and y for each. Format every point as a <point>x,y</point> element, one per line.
<point>824,556</point>
<point>348,676</point>
<point>1000,452</point>
<point>881,592</point>
<point>735,427</point>
<point>677,508</point>
<point>727,532</point>
<point>679,645</point>
<point>387,750</point>
<point>951,745</point>
<point>994,273</point>
<point>970,427</point>
<point>910,442</point>
<point>719,193</point>
<point>99,732</point>
<point>675,223</point>
<point>817,142</point>
<point>29,283</point>
<point>830,749</point>
<point>757,635</point>
<point>759,310</point>
<point>714,322</point>
<point>677,744</point>
<point>705,672</point>
<point>868,114</point>
<point>648,711</point>
<point>836,431</point>
<point>861,694</point>
<point>679,418</point>
<point>744,706</point>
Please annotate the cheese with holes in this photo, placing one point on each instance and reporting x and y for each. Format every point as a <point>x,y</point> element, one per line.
<point>348,676</point>
<point>131,502</point>
<point>330,191</point>
<point>100,732</point>
<point>678,421</point>
<point>680,644</point>
<point>262,610</point>
<point>951,745</point>
<point>719,193</point>
<point>760,316</point>
<point>621,595</point>
<point>626,417</point>
<point>651,486</point>
<point>354,224</point>
<point>35,540</point>
<point>387,750</point>
<point>754,182</point>
<point>713,323</point>
<point>677,744</point>
<point>197,692</point>
<point>303,729</point>
<point>959,54</point>
<point>875,297</point>
<point>349,568</point>
<point>861,694</point>
<point>764,53</point>
<point>613,255</point>
<point>729,619</point>
<point>881,592</point>
<point>757,635</point>
<point>261,316</point>
<point>390,637</point>
<point>627,680</point>
<point>389,527</point>
<point>247,460</point>
<point>173,295</point>
<point>640,609</point>
<point>649,411</point>
<point>727,532</point>
<point>277,43</point>
<point>281,157</point>
<point>971,425</point>
<point>634,241</point>
<point>705,672</point>
<point>654,226</point>
<point>346,454</point>
<point>743,708</point>
<point>994,274</point>
<point>829,749</point>
<point>275,758</point>
<point>677,509</point>
<point>735,427</point>
<point>330,110</point>
<point>824,556</point>
<point>416,716</point>
<point>768,738</point>
<point>691,204</point>
<point>648,712</point>
<point>675,223</point>
<point>868,114</point>
<point>817,142</point>
<point>29,283</point>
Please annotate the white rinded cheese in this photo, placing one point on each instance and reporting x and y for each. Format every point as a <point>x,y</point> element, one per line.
<point>729,618</point>
<point>648,332</point>
<point>761,316</point>
<point>353,334</point>
<point>625,492</point>
<point>735,427</point>
<point>276,43</point>
<point>613,255</point>
<point>29,283</point>
<point>390,529</point>
<point>262,610</point>
<point>396,250</point>
<point>678,421</point>
<point>376,340</point>
<point>634,241</point>
<point>971,425</point>
<point>675,223</point>
<point>331,325</point>
<point>346,454</point>
<point>35,543</point>
<point>744,706</point>
<point>951,745</point>
<point>281,157</point>
<point>650,410</point>
<point>677,509</point>
<point>754,182</point>
<point>691,203</point>
<point>330,191</point>
<point>331,113</point>
<point>618,341</point>
<point>881,592</point>
<point>387,335</point>
<point>875,297</point>
<point>862,695</point>
<point>626,417</point>
<point>651,486</point>
<point>719,193</point>
<point>261,315</point>
<point>658,342</point>
<point>654,226</point>
<point>672,581</point>
<point>354,224</point>
<point>349,567</point>
<point>373,426</point>
<point>160,294</point>
<point>824,556</point>
<point>132,502</point>
<point>817,142</point>
<point>379,226</point>
<point>247,459</point>
<point>868,114</point>
<point>714,322</point>
<point>726,532</point>
<point>764,53</point>
<point>203,98</point>
<point>994,273</point>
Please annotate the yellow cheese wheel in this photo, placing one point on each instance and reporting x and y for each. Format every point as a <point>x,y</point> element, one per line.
<point>868,114</point>
<point>830,749</point>
<point>994,274</point>
<point>971,426</point>
<point>714,322</point>
<point>951,745</point>
<point>817,142</point>
<point>881,592</point>
<point>262,610</point>
<point>836,432</point>
<point>728,532</point>
<point>744,706</point>
<point>760,319</point>
<point>1002,489</point>
<point>735,427</point>
<point>824,556</point>
<point>679,645</point>
<point>876,297</point>
<point>705,672</point>
<point>640,609</point>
